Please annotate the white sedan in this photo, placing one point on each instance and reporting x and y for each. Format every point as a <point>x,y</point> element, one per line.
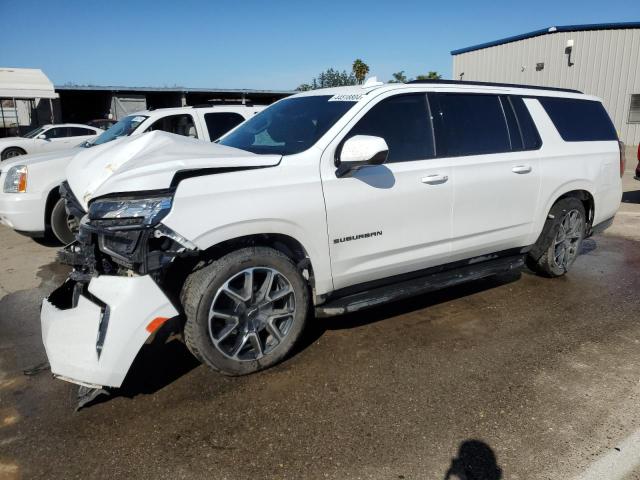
<point>47,138</point>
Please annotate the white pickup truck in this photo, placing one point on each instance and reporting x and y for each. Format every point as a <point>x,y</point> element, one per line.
<point>30,198</point>
<point>327,202</point>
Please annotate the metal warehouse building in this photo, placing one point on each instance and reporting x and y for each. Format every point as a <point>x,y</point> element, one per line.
<point>600,59</point>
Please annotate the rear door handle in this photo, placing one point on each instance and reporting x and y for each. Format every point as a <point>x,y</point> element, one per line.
<point>435,179</point>
<point>521,169</point>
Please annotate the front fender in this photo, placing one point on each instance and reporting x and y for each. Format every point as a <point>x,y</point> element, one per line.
<point>232,231</point>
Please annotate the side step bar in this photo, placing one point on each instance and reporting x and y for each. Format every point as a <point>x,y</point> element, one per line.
<point>417,286</point>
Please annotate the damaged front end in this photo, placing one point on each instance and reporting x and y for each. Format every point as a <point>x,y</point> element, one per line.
<point>119,292</point>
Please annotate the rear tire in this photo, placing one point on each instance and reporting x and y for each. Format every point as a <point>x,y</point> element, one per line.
<point>561,238</point>
<point>63,225</point>
<point>11,152</point>
<point>245,311</point>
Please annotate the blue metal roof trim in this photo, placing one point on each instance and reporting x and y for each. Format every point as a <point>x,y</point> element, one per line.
<point>544,31</point>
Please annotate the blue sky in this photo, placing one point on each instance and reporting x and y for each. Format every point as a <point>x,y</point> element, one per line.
<point>264,44</point>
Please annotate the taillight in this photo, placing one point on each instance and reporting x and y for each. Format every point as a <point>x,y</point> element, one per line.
<point>623,159</point>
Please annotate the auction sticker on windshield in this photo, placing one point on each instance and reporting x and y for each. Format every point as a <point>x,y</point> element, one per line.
<point>353,97</point>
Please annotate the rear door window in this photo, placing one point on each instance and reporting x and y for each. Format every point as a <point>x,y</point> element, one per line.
<point>80,132</point>
<point>219,123</point>
<point>181,124</point>
<point>530,136</point>
<point>472,124</point>
<point>404,122</point>
<point>579,120</point>
<point>57,132</point>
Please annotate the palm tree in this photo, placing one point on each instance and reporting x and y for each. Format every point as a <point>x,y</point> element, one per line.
<point>360,70</point>
<point>399,77</point>
<point>429,76</point>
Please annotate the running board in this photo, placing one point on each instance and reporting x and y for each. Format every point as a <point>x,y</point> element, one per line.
<point>417,286</point>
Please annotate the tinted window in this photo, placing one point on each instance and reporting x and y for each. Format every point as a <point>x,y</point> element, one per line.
<point>219,123</point>
<point>515,136</point>
<point>178,124</point>
<point>289,126</point>
<point>58,132</point>
<point>473,124</point>
<point>79,132</point>
<point>579,120</point>
<point>528,131</point>
<point>404,122</point>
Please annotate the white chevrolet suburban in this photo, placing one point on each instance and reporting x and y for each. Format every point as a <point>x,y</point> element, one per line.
<point>30,199</point>
<point>327,202</point>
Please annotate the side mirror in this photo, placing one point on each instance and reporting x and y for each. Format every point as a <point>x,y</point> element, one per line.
<point>42,136</point>
<point>359,151</point>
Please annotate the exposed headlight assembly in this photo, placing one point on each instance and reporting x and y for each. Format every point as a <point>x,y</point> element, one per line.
<point>16,179</point>
<point>130,212</point>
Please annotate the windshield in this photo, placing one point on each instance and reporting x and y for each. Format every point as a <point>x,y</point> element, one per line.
<point>34,133</point>
<point>124,127</point>
<point>289,126</point>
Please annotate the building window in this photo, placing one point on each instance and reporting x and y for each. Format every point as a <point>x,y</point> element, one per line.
<point>634,108</point>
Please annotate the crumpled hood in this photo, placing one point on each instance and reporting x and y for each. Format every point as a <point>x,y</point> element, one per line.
<point>36,158</point>
<point>149,162</point>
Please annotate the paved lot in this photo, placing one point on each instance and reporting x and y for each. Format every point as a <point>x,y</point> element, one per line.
<point>537,378</point>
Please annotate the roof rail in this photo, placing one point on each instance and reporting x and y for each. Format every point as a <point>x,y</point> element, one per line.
<point>492,84</point>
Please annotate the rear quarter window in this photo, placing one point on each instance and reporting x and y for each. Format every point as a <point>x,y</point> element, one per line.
<point>579,120</point>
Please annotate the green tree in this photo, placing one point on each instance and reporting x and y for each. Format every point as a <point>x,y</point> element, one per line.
<point>360,70</point>
<point>399,77</point>
<point>329,78</point>
<point>429,76</point>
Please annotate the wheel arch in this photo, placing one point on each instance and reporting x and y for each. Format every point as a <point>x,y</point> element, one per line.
<point>24,152</point>
<point>286,244</point>
<point>52,198</point>
<point>587,200</point>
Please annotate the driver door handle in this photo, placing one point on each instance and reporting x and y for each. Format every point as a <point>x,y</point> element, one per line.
<point>434,179</point>
<point>521,169</point>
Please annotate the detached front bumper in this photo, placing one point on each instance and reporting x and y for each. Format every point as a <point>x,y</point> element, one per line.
<point>92,339</point>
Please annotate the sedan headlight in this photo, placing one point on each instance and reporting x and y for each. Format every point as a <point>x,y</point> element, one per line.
<point>16,179</point>
<point>130,212</point>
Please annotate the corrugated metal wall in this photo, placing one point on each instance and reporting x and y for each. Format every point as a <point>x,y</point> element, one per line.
<point>606,63</point>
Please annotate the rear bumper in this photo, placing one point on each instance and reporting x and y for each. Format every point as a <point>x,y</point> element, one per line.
<point>93,339</point>
<point>22,211</point>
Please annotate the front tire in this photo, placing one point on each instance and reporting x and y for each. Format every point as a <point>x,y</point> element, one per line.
<point>11,152</point>
<point>560,240</point>
<point>63,225</point>
<point>245,311</point>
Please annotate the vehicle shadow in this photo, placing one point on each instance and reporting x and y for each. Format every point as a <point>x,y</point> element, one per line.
<point>166,359</point>
<point>475,461</point>
<point>631,197</point>
<point>158,363</point>
<point>317,327</point>
<point>48,241</point>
